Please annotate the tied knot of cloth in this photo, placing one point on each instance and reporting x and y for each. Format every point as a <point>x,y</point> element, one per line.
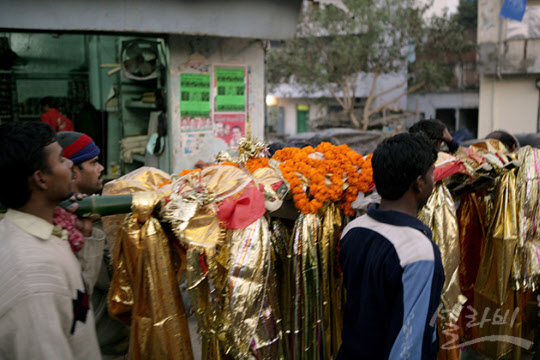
<point>66,228</point>
<point>61,233</point>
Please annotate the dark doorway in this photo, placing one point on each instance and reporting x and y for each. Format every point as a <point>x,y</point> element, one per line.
<point>469,118</point>
<point>448,117</point>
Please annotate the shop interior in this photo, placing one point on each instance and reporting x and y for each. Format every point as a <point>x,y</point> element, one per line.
<point>112,87</point>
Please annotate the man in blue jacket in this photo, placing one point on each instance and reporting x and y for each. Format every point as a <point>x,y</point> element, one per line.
<point>392,269</point>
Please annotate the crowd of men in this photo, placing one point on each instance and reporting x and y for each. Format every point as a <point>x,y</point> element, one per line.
<point>54,282</point>
<point>53,264</point>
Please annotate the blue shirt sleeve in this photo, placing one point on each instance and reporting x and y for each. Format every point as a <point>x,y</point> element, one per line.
<point>417,281</point>
<point>453,146</point>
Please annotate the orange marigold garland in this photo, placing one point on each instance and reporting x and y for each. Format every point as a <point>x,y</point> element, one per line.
<point>229,163</point>
<point>329,172</point>
<point>256,163</point>
<point>187,171</point>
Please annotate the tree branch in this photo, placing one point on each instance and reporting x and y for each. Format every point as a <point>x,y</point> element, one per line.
<point>410,90</point>
<point>369,100</point>
<point>329,87</point>
<point>392,88</point>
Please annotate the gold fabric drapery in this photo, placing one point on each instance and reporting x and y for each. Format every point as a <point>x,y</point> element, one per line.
<point>526,273</point>
<point>234,294</point>
<point>439,215</point>
<point>331,280</point>
<point>144,291</point>
<point>143,179</point>
<point>471,216</point>
<point>313,316</point>
<point>229,291</point>
<point>492,290</point>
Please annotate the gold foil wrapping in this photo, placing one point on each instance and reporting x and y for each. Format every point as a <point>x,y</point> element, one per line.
<point>192,206</point>
<point>305,290</point>
<point>143,179</point>
<point>490,147</point>
<point>281,262</point>
<point>144,291</point>
<point>440,215</point>
<point>268,340</point>
<point>312,316</point>
<point>267,177</point>
<point>331,281</point>
<point>231,272</point>
<point>471,216</point>
<point>492,289</point>
<point>234,295</point>
<point>526,272</point>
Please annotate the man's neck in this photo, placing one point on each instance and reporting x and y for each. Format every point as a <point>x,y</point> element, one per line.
<point>40,208</point>
<point>404,205</point>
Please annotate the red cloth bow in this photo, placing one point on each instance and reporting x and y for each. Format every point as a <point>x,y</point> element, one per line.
<point>240,210</point>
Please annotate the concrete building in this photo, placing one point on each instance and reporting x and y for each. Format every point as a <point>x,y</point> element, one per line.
<point>456,104</point>
<point>509,67</point>
<point>438,7</point>
<point>291,108</point>
<point>56,40</point>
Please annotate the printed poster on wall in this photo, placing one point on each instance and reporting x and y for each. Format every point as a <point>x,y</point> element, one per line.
<point>193,143</point>
<point>231,128</point>
<point>195,102</point>
<point>230,89</point>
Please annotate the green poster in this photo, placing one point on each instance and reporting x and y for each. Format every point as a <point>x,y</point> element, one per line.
<point>230,90</point>
<point>194,95</point>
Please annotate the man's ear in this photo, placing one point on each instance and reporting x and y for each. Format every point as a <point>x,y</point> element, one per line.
<point>37,180</point>
<point>418,184</point>
<point>76,172</point>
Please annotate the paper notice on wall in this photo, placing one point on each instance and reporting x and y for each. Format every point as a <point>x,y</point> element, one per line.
<point>195,124</point>
<point>195,95</point>
<point>192,143</point>
<point>230,89</point>
<point>231,128</point>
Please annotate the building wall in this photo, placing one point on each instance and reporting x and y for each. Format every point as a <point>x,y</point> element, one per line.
<point>439,6</point>
<point>102,49</point>
<point>266,19</point>
<point>291,95</point>
<point>508,68</point>
<point>429,103</point>
<point>216,51</point>
<point>510,103</point>
<point>290,112</point>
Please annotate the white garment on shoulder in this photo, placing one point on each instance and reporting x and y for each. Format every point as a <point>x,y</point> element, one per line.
<point>40,280</point>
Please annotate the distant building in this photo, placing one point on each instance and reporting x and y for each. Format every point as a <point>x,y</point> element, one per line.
<point>509,67</point>
<point>292,110</point>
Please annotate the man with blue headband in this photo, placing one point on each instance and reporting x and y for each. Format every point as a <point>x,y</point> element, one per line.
<point>94,254</point>
<point>83,151</point>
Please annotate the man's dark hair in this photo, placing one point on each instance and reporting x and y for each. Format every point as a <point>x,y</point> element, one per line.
<point>236,127</point>
<point>275,146</point>
<point>22,152</point>
<point>399,160</point>
<point>48,100</point>
<point>432,128</point>
<point>505,137</point>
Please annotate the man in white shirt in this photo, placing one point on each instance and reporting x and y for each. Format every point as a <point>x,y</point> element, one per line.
<point>44,304</point>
